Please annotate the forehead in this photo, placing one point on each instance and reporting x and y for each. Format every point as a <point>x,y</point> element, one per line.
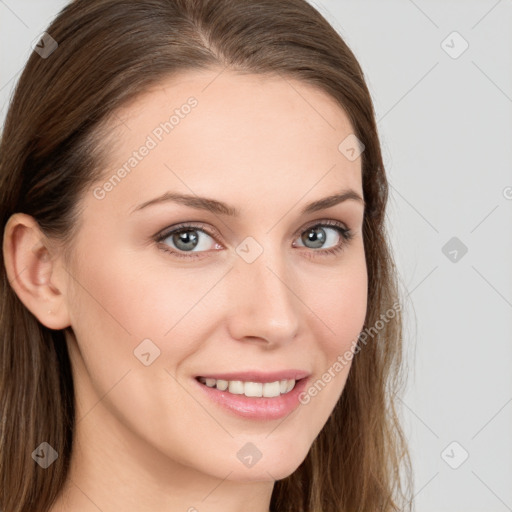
<point>211,132</point>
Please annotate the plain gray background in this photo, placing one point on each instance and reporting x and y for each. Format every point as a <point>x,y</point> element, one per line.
<point>445,122</point>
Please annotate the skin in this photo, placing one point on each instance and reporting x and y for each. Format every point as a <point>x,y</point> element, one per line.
<point>146,439</point>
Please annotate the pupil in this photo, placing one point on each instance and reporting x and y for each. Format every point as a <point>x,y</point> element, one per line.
<point>317,236</point>
<point>186,237</point>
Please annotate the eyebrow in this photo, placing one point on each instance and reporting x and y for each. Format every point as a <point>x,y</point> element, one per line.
<point>220,208</point>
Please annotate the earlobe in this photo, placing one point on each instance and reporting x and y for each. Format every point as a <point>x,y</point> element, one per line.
<point>32,271</point>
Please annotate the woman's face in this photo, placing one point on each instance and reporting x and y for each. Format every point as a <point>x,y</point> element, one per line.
<point>256,292</point>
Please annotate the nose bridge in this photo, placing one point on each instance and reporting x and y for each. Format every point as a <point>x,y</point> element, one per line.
<point>266,305</point>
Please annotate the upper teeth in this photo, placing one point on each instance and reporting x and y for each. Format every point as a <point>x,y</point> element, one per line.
<point>238,387</point>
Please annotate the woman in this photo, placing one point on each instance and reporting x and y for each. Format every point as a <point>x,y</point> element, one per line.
<point>199,305</point>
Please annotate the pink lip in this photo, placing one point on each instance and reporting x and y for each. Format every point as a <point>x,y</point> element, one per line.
<point>256,408</point>
<point>256,376</point>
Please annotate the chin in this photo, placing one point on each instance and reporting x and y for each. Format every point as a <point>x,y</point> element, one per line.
<point>268,468</point>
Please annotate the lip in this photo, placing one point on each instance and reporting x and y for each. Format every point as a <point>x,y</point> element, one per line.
<point>257,376</point>
<point>255,408</point>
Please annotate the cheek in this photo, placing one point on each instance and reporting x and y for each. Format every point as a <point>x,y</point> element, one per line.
<point>124,298</point>
<point>340,310</point>
<point>342,302</point>
<point>347,309</point>
<point>123,292</point>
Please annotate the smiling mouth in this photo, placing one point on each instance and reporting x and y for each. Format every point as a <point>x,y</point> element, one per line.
<point>251,389</point>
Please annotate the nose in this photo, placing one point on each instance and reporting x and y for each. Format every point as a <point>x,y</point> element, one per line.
<point>263,302</point>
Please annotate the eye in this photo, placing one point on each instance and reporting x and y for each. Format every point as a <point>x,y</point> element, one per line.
<point>185,238</point>
<point>194,239</point>
<point>331,232</point>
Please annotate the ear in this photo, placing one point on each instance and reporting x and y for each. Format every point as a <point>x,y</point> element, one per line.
<point>34,272</point>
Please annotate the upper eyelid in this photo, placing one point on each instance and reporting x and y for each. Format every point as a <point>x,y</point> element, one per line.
<point>329,222</point>
<point>200,226</point>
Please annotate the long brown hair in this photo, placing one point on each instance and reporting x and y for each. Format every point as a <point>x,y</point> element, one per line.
<point>52,149</point>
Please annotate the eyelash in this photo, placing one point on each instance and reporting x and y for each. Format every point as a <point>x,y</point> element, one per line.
<point>346,235</point>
